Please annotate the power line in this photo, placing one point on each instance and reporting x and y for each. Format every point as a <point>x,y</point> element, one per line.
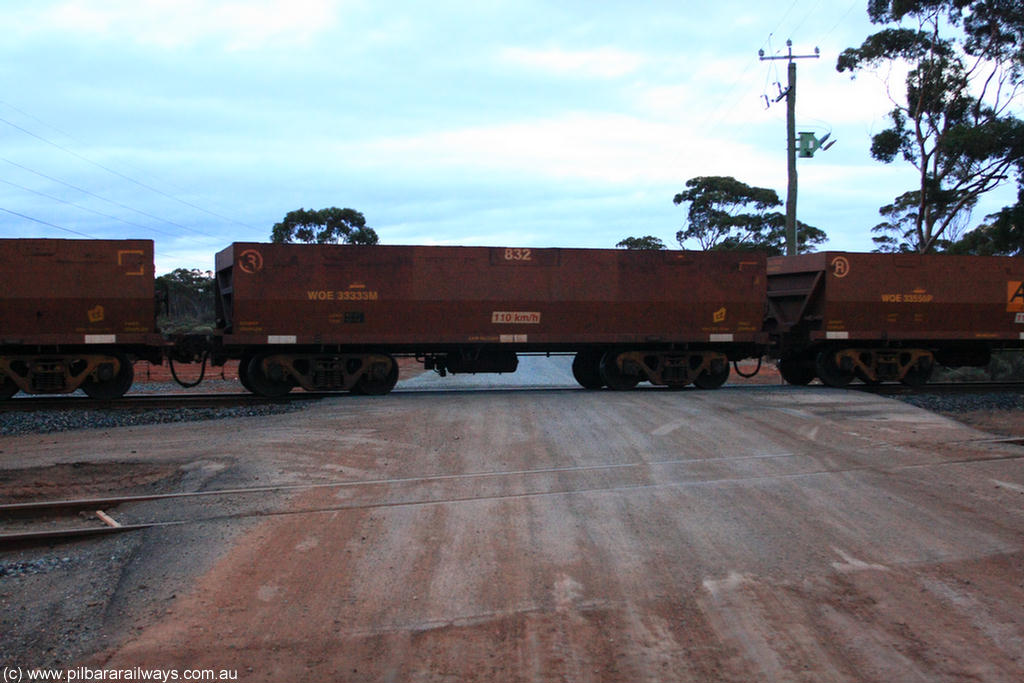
<point>119,174</point>
<point>38,120</point>
<point>842,18</point>
<point>110,201</point>
<point>727,99</point>
<point>785,15</point>
<point>83,208</point>
<point>713,115</point>
<point>79,141</point>
<point>52,225</point>
<point>60,227</point>
<point>804,20</point>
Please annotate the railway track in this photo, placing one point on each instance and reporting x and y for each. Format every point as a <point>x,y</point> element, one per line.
<point>50,521</point>
<point>154,401</point>
<point>148,401</point>
<point>940,388</point>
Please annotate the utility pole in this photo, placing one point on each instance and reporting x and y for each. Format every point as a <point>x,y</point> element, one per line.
<point>790,95</point>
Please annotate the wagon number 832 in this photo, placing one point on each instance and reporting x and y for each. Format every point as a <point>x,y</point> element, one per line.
<point>518,255</point>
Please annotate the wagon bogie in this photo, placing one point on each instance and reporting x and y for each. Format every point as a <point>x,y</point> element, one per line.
<point>101,375</point>
<point>705,369</point>
<point>275,374</point>
<point>873,365</point>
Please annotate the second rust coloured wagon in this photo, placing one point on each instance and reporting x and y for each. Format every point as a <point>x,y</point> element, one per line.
<point>840,316</point>
<point>334,316</point>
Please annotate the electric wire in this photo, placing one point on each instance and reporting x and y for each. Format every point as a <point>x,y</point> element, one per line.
<point>800,24</point>
<point>728,99</point>
<point>714,114</point>
<point>69,230</point>
<point>118,173</point>
<point>47,223</point>
<point>27,115</point>
<point>110,201</point>
<point>82,143</point>
<point>83,208</point>
<point>842,18</point>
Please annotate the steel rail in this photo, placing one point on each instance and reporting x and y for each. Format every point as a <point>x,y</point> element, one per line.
<point>34,537</point>
<point>940,388</point>
<point>153,401</point>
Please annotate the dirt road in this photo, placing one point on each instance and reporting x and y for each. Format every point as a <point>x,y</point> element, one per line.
<point>749,534</point>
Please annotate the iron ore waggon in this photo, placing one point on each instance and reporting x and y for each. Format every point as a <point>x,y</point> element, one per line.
<point>839,316</point>
<point>75,314</point>
<point>332,317</point>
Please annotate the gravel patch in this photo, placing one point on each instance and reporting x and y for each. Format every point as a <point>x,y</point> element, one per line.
<point>39,565</point>
<point>998,412</point>
<point>49,421</point>
<point>965,403</point>
<point>56,604</point>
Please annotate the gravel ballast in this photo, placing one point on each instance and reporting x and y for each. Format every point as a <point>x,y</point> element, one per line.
<point>49,421</point>
<point>963,403</point>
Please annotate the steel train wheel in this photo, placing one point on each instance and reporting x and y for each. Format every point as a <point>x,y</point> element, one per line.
<point>243,373</point>
<point>586,368</point>
<point>830,373</point>
<point>7,388</point>
<point>613,376</point>
<point>712,378</point>
<point>376,383</point>
<point>113,387</point>
<point>262,384</point>
<point>797,371</point>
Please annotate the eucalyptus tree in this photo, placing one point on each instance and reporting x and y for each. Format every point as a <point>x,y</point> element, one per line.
<point>1001,235</point>
<point>952,117</point>
<point>324,226</point>
<point>646,242</point>
<point>725,213</point>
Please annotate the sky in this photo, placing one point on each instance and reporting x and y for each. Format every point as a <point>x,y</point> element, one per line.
<point>535,124</point>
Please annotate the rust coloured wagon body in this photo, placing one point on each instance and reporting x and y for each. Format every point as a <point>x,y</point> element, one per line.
<point>839,315</point>
<point>74,314</point>
<point>332,316</point>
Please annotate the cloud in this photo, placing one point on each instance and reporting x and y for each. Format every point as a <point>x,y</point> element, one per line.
<point>600,147</point>
<point>181,23</point>
<point>604,62</point>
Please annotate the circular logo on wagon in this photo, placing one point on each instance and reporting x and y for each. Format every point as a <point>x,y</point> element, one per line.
<point>250,261</point>
<point>840,266</point>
